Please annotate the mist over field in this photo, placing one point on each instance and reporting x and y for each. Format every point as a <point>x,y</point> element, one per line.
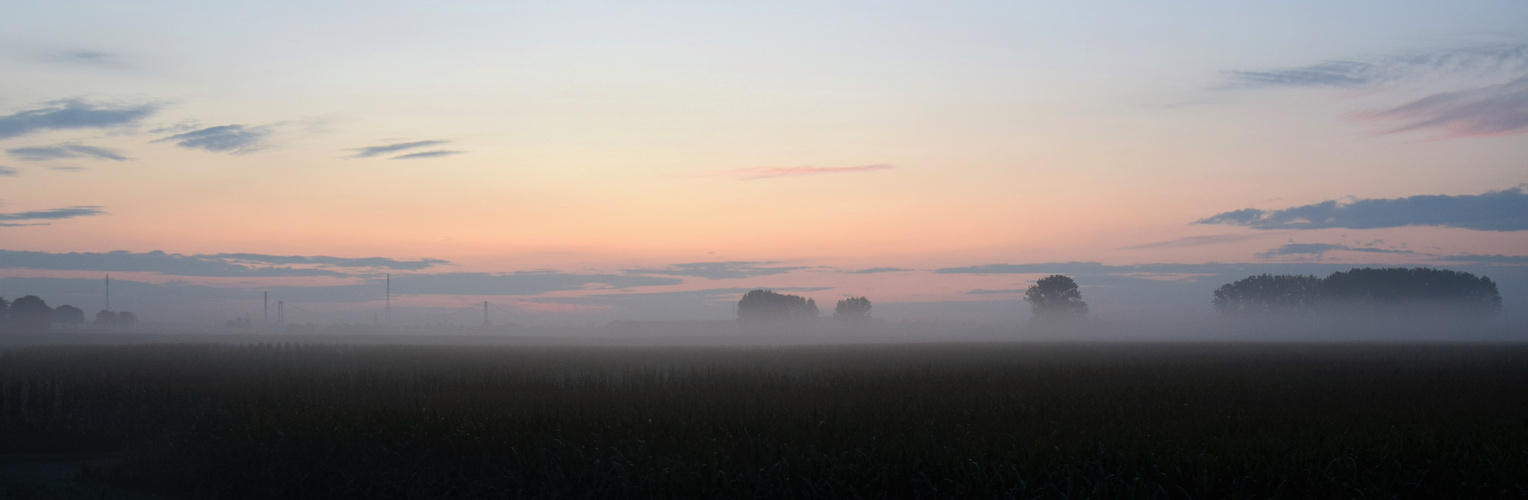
<point>1121,307</point>
<point>474,249</point>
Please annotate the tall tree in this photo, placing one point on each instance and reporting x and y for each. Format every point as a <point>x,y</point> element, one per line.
<point>4,317</point>
<point>105,318</point>
<point>1056,298</point>
<point>30,314</point>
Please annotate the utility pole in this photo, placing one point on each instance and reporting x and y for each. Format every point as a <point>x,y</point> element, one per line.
<point>266,322</point>
<point>281,313</point>
<point>388,314</point>
<point>486,324</point>
<point>108,292</point>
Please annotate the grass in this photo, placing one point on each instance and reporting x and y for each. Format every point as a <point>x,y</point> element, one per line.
<point>983,421</point>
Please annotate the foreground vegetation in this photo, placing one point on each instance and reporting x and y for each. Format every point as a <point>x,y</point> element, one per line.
<point>998,421</point>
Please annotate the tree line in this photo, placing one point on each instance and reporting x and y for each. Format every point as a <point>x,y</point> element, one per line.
<point>764,305</point>
<point>1057,299</point>
<point>1360,290</point>
<point>30,314</point>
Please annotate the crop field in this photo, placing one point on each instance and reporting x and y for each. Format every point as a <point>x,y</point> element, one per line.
<point>874,421</point>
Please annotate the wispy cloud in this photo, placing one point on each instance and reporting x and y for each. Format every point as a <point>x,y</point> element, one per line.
<point>1319,250</point>
<point>520,283</point>
<point>65,151</point>
<point>324,260</point>
<point>1489,110</point>
<point>1039,268</point>
<point>371,151</point>
<point>234,139</point>
<point>720,270</point>
<point>1486,259</point>
<point>1380,69</point>
<point>217,265</point>
<point>877,270</point>
<point>1326,74</point>
<point>87,58</point>
<point>983,291</point>
<point>1486,111</point>
<point>42,217</point>
<point>426,154</point>
<point>1195,241</point>
<point>1505,210</point>
<point>71,114</point>
<point>8,172</point>
<point>753,173</point>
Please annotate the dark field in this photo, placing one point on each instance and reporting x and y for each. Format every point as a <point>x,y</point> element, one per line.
<point>973,420</point>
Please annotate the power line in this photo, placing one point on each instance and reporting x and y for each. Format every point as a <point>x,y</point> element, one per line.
<point>442,315</point>
<point>512,314</point>
<point>337,319</point>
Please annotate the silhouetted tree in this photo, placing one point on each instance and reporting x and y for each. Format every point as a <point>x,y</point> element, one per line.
<point>105,318</point>
<point>1056,298</point>
<point>766,305</point>
<point>4,319</point>
<point>30,314</point>
<point>1397,290</point>
<point>1266,294</point>
<point>1396,286</point>
<point>125,318</point>
<point>852,308</point>
<point>68,315</point>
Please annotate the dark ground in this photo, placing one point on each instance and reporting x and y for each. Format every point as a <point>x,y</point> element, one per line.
<point>984,420</point>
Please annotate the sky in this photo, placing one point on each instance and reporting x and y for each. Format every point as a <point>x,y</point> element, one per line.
<point>584,162</point>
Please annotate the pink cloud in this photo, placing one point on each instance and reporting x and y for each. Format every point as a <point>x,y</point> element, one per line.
<point>1487,111</point>
<point>752,173</point>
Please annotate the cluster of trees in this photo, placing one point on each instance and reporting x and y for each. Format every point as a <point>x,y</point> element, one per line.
<point>852,308</point>
<point>767,305</point>
<point>1365,290</point>
<point>1054,298</point>
<point>31,314</point>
